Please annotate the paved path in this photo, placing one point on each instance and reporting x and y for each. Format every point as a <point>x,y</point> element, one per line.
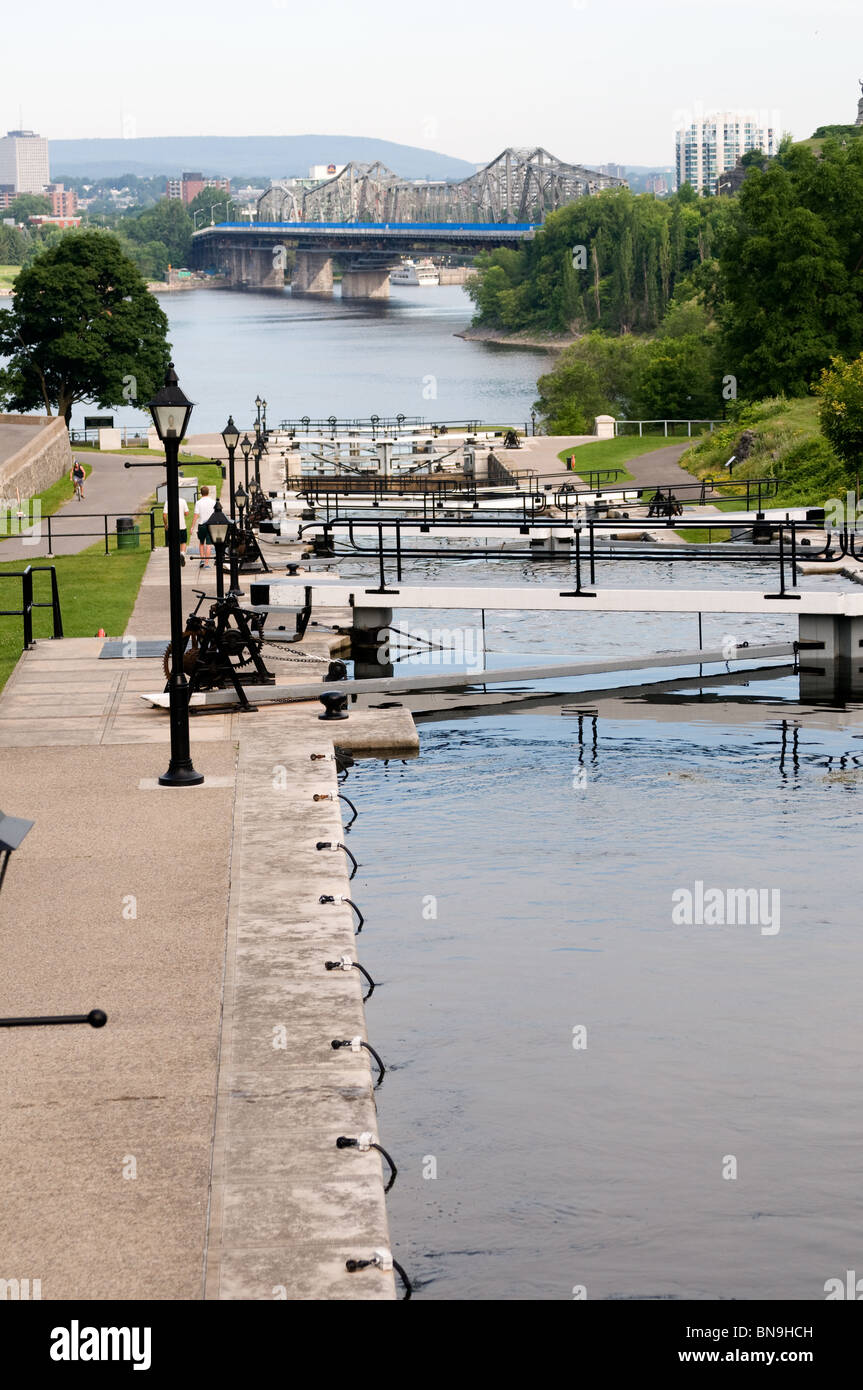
<point>110,488</point>
<point>179,1153</point>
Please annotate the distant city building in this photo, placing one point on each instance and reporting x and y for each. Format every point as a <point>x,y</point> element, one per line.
<point>190,185</point>
<point>713,144</point>
<point>658,184</point>
<point>24,161</point>
<point>40,219</point>
<point>614,171</point>
<point>7,195</point>
<point>64,201</point>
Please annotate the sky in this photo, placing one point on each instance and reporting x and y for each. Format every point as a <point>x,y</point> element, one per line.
<point>591,80</point>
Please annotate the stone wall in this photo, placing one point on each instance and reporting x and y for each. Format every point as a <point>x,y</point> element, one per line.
<point>39,461</point>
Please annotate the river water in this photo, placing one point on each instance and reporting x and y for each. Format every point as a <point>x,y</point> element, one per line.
<point>333,357</point>
<point>700,1137</point>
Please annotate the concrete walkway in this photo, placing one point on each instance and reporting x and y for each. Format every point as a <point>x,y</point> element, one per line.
<point>181,1151</point>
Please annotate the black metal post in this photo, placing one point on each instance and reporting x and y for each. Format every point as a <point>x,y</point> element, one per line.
<point>231,482</point>
<point>220,560</point>
<point>181,772</point>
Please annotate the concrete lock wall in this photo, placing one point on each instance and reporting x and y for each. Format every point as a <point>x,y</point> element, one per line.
<point>40,460</point>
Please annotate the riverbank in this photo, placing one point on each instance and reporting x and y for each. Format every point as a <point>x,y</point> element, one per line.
<point>545,342</point>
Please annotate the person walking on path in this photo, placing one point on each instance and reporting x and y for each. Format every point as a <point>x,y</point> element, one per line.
<point>169,540</point>
<point>203,511</point>
<point>76,477</point>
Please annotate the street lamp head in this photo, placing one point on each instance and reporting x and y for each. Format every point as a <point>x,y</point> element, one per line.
<point>170,408</point>
<point>246,446</point>
<point>218,525</point>
<point>230,434</point>
<point>258,402</point>
<point>253,486</point>
<point>240,497</point>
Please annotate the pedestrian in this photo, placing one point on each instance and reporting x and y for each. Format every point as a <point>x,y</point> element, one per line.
<point>183,510</point>
<point>203,511</point>
<point>76,477</point>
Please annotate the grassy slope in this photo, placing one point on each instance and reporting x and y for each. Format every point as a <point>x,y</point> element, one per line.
<point>54,496</point>
<point>613,453</point>
<point>7,274</point>
<point>788,446</point>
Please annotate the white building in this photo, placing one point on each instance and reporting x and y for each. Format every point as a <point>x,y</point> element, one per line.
<point>24,161</point>
<point>714,143</point>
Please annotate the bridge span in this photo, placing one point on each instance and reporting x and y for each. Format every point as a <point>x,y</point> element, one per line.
<point>255,256</point>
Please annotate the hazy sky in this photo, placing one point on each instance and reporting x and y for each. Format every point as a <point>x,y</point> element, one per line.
<point>592,80</point>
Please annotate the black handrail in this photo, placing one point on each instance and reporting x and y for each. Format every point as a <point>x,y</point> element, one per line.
<point>102,531</point>
<point>28,603</point>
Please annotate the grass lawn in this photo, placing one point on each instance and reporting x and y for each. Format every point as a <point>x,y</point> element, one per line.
<point>7,275</point>
<point>96,590</point>
<point>695,536</point>
<point>612,453</point>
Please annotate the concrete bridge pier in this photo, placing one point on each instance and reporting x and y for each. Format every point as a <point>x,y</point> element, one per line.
<point>831,657</point>
<point>313,273</point>
<point>254,268</point>
<point>366,284</point>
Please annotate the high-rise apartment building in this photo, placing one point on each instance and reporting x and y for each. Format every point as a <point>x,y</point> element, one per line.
<point>24,161</point>
<point>190,185</point>
<point>710,145</point>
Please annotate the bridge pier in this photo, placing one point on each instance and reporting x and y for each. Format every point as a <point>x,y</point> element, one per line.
<point>313,273</point>
<point>831,657</point>
<point>366,284</point>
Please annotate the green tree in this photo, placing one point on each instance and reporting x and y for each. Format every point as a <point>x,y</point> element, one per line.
<point>29,205</point>
<point>169,222</point>
<point>840,393</point>
<point>83,326</point>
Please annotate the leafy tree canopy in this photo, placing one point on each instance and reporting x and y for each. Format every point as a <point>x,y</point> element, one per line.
<point>83,326</point>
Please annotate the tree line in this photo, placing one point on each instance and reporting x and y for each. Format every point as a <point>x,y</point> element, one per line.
<point>682,304</point>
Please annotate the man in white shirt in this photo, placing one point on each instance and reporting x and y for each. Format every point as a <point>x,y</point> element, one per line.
<point>203,511</point>
<point>184,508</point>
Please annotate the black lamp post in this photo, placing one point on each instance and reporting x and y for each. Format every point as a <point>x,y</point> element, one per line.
<point>239,501</point>
<point>246,447</point>
<point>218,526</point>
<point>264,418</point>
<point>258,404</point>
<point>171,411</point>
<point>230,439</point>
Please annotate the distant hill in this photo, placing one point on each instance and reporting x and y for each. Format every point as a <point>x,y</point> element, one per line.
<point>244,156</point>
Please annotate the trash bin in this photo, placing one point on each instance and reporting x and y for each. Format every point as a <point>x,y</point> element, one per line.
<point>128,534</point>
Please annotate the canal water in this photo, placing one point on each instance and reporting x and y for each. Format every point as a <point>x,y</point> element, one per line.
<point>585,1094</point>
<point>333,357</point>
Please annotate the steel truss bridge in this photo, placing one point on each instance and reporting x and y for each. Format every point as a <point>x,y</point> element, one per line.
<point>520,186</point>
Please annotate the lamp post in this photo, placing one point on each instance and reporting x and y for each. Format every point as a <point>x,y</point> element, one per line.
<point>246,447</point>
<point>258,404</point>
<point>218,528</point>
<point>171,411</point>
<point>230,439</point>
<point>533,422</point>
<point>264,418</point>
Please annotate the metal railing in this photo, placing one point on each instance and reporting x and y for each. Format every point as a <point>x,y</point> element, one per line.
<point>575,543</point>
<point>132,437</point>
<point>28,603</point>
<point>54,532</point>
<point>375,424</point>
<point>709,424</point>
<point>751,492</point>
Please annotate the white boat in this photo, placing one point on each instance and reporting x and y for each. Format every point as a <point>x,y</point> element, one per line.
<point>410,272</point>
